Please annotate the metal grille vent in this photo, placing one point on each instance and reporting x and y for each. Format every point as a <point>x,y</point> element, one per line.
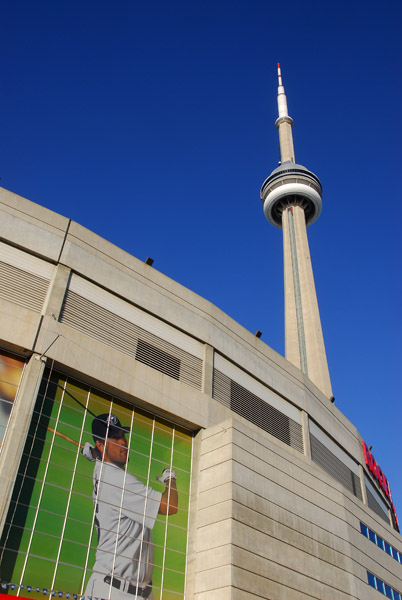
<point>257,411</point>
<point>21,287</point>
<point>375,506</point>
<point>117,332</point>
<point>335,467</point>
<point>158,359</point>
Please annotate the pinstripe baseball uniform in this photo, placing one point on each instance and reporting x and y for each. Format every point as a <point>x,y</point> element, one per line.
<point>125,513</point>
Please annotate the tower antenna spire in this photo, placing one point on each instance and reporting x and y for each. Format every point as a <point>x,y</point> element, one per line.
<point>279,75</point>
<point>291,198</point>
<point>282,102</point>
<point>284,123</point>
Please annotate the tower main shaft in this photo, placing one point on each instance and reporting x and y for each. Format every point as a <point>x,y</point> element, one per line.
<point>291,197</point>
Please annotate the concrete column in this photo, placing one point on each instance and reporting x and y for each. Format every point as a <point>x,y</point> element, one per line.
<point>363,485</point>
<point>213,544</point>
<point>56,292</point>
<point>291,330</point>
<point>193,525</point>
<point>286,141</point>
<point>208,370</point>
<point>303,333</point>
<point>306,434</point>
<point>47,333</point>
<point>17,431</point>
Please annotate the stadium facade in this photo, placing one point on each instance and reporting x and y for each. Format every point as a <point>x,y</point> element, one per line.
<point>279,496</point>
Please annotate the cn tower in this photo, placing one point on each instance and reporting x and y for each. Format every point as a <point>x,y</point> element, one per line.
<point>291,198</point>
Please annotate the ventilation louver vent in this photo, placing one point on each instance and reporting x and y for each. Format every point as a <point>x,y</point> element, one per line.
<point>22,288</point>
<point>335,467</point>
<point>375,506</point>
<point>158,359</point>
<point>375,500</point>
<point>119,333</point>
<point>257,411</point>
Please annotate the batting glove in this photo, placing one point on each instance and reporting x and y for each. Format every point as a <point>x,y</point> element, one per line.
<point>167,475</point>
<point>87,452</point>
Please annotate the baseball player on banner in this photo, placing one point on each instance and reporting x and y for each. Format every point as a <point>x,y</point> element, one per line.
<point>125,513</point>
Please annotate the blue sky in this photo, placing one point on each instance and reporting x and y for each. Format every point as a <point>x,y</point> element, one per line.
<point>152,124</point>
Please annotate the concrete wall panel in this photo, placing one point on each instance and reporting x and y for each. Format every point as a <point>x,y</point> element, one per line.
<point>30,226</point>
<point>127,376</point>
<point>215,495</point>
<point>213,579</point>
<point>266,522</point>
<point>18,325</point>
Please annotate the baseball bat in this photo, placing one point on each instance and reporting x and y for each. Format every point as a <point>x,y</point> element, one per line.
<point>94,451</point>
<point>64,437</point>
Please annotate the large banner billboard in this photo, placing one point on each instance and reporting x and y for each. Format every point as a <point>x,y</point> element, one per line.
<point>11,368</point>
<point>100,505</point>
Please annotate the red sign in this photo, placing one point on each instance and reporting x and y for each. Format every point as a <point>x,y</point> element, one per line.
<point>380,477</point>
<point>7,597</point>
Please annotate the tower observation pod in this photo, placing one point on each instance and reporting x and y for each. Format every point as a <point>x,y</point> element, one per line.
<point>292,199</point>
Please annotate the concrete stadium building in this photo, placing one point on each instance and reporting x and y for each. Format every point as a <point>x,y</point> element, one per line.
<point>279,497</point>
